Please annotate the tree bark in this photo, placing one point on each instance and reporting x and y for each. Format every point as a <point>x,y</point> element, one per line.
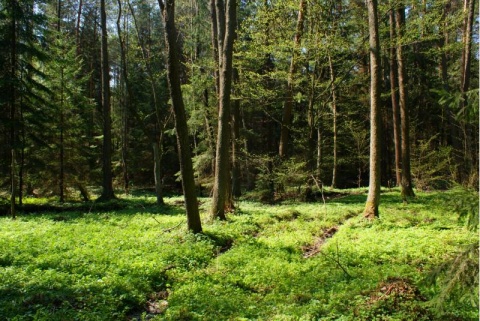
<point>128,99</point>
<point>157,138</point>
<point>13,98</point>
<point>157,169</point>
<point>334,115</point>
<point>173,73</point>
<point>236,180</point>
<point>373,199</point>
<point>469,9</point>
<point>394,98</point>
<point>226,21</point>
<point>288,104</point>
<point>407,188</point>
<point>107,193</point>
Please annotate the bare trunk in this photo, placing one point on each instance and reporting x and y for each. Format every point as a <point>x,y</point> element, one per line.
<point>226,20</point>
<point>157,170</point>
<point>407,188</point>
<point>236,182</point>
<point>334,115</point>
<point>107,193</point>
<point>13,98</point>
<point>288,104</point>
<point>77,28</point>
<point>173,73</point>
<point>157,138</point>
<point>469,8</point>
<point>128,99</point>
<point>373,199</point>
<point>394,98</point>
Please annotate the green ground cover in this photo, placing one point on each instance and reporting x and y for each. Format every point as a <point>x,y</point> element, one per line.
<point>293,261</point>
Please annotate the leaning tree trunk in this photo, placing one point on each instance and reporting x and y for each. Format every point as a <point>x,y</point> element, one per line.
<point>406,182</point>
<point>226,20</point>
<point>373,199</point>
<point>173,73</point>
<point>107,193</point>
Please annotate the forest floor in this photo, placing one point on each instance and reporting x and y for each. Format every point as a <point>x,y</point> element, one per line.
<point>290,261</point>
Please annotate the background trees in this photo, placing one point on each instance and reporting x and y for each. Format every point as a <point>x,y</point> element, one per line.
<point>300,80</point>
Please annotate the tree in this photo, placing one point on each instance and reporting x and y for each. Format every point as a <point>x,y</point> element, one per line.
<point>288,104</point>
<point>183,144</point>
<point>107,182</point>
<point>225,13</point>
<point>406,179</point>
<point>394,98</point>
<point>373,199</point>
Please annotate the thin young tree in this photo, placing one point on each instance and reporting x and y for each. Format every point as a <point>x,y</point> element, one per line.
<point>373,199</point>
<point>107,182</point>
<point>226,21</point>
<point>173,74</point>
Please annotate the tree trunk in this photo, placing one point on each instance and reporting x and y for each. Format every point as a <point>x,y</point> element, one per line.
<point>407,188</point>
<point>334,115</point>
<point>61,183</point>
<point>226,20</point>
<point>236,181</point>
<point>107,192</point>
<point>394,98</point>
<point>157,170</point>
<point>157,138</point>
<point>13,98</point>
<point>173,73</point>
<point>373,199</point>
<point>469,8</point>
<point>128,99</point>
<point>288,104</point>
<point>77,28</point>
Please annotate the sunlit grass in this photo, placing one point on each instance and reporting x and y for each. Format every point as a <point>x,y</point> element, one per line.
<point>107,265</point>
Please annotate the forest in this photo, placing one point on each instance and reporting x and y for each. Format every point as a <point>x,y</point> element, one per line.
<point>239,160</point>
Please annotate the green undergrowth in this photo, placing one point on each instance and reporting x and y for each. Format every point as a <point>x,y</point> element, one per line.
<point>290,261</point>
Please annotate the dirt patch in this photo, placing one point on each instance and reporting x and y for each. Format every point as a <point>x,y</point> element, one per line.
<point>395,290</point>
<point>315,248</point>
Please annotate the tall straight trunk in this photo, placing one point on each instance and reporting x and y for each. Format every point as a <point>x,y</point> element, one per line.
<point>311,122</point>
<point>157,139</point>
<point>61,183</point>
<point>288,104</point>
<point>128,98</point>
<point>446,126</point>
<point>406,182</point>
<point>236,181</point>
<point>373,199</point>
<point>334,115</point>
<point>173,74</point>
<point>208,130</point>
<point>107,192</point>
<point>226,20</point>
<point>13,98</point>
<point>77,27</point>
<point>469,8</point>
<point>157,168</point>
<point>394,98</point>
<point>214,31</point>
